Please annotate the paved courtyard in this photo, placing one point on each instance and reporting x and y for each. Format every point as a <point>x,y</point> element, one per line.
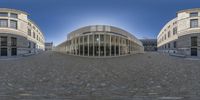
<point>56,76</point>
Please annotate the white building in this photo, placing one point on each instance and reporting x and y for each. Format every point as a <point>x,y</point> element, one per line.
<point>181,35</point>
<point>100,41</point>
<point>18,34</point>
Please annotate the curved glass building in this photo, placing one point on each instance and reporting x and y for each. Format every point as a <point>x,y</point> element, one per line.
<point>18,34</point>
<point>100,41</point>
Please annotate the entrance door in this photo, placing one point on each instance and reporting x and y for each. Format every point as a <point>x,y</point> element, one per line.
<point>4,52</point>
<point>193,51</point>
<point>14,51</point>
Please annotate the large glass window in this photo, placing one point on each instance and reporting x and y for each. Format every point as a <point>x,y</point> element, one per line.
<point>112,45</point>
<point>96,45</point>
<point>13,41</point>
<point>81,45</point>
<point>96,38</point>
<point>12,15</point>
<point>117,45</point>
<point>194,14</point>
<point>4,52</point>
<point>86,45</point>
<point>175,44</point>
<point>3,23</point>
<point>193,23</point>
<point>169,46</point>
<point>107,45</point>
<point>3,14</point>
<point>13,24</point>
<point>194,41</point>
<point>102,45</point>
<point>4,41</point>
<point>90,45</point>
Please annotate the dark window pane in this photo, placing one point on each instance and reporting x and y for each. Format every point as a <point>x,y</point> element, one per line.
<point>4,52</point>
<point>12,15</point>
<point>194,14</point>
<point>3,14</point>
<point>13,24</point>
<point>3,41</point>
<point>193,23</point>
<point>13,41</point>
<point>193,41</point>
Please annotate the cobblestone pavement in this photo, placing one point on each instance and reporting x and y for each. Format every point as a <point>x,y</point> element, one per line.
<point>56,76</point>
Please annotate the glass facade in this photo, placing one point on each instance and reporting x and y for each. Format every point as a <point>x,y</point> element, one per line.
<point>100,44</point>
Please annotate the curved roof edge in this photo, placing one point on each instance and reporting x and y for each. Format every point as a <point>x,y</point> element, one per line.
<point>166,25</point>
<point>88,26</point>
<point>15,10</point>
<point>192,9</point>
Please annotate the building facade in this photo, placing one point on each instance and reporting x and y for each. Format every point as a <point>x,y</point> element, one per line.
<point>100,41</point>
<point>48,46</point>
<point>181,35</point>
<point>18,34</point>
<point>149,44</point>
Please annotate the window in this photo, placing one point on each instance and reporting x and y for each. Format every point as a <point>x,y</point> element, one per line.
<point>12,15</point>
<point>174,44</point>
<point>169,46</point>
<point>13,24</point>
<point>13,41</point>
<point>174,30</point>
<point>33,34</point>
<point>3,14</point>
<point>169,34</point>
<point>29,44</point>
<point>194,14</point>
<point>29,24</point>
<point>4,52</point>
<point>194,41</point>
<point>3,41</point>
<point>3,23</point>
<point>193,23</point>
<point>29,32</point>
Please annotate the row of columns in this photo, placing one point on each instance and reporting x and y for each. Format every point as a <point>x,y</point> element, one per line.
<point>121,47</point>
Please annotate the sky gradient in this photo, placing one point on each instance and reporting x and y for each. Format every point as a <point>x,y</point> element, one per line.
<point>142,18</point>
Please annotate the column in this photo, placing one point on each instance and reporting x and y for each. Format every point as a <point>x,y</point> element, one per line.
<point>105,42</point>
<point>88,45</point>
<point>79,45</point>
<point>110,45</point>
<point>93,43</point>
<point>119,45</point>
<point>99,45</point>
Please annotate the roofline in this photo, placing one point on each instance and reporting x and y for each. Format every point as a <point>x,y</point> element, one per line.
<point>102,25</point>
<point>192,9</point>
<point>15,10</point>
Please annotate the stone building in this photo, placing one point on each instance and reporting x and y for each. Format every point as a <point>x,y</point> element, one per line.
<point>149,44</point>
<point>181,35</point>
<point>100,41</point>
<point>48,46</point>
<point>18,34</point>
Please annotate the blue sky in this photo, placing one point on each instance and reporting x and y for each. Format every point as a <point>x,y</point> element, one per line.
<point>142,18</point>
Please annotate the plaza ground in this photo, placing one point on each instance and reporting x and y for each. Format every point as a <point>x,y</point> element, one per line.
<point>57,76</point>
